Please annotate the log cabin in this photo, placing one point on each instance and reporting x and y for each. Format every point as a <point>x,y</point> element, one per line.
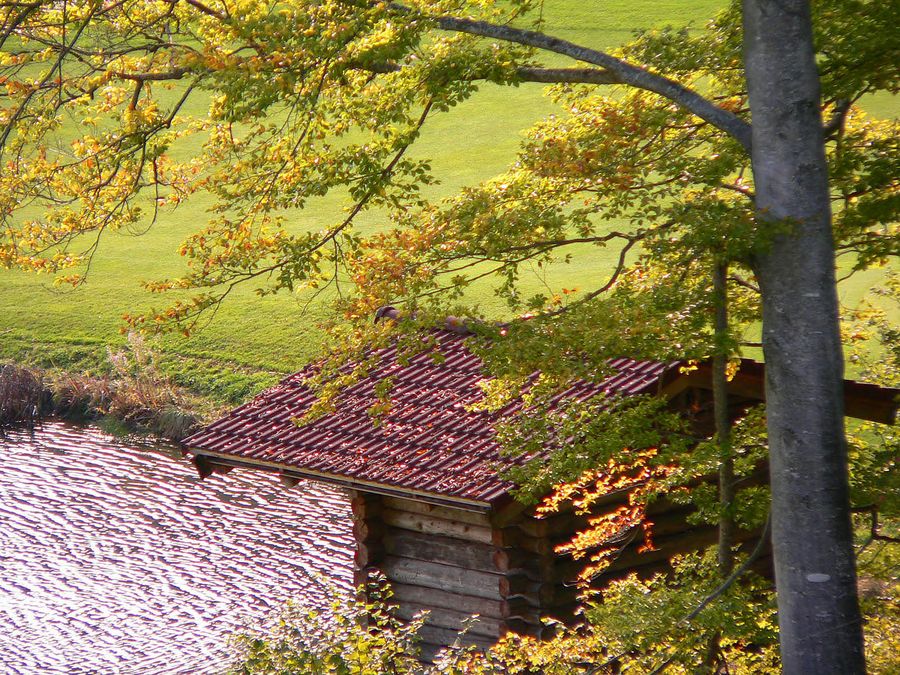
<point>431,510</point>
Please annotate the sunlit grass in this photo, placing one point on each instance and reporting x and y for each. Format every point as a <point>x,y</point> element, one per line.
<point>274,334</point>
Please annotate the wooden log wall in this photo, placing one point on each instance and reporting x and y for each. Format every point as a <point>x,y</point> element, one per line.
<point>501,566</point>
<point>456,563</point>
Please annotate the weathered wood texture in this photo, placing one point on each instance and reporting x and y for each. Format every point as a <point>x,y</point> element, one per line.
<point>512,608</point>
<point>503,567</point>
<point>455,564</point>
<point>469,555</point>
<point>454,620</point>
<point>418,522</point>
<point>368,530</point>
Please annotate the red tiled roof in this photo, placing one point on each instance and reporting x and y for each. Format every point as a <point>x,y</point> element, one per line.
<point>428,443</point>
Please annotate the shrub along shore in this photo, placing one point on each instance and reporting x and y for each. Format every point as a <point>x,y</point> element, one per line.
<point>133,397</point>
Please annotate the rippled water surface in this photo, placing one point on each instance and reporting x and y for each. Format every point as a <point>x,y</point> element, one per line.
<point>116,558</point>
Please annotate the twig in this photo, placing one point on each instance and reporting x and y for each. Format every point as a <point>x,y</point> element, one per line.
<point>874,527</point>
<point>757,551</point>
<point>754,555</point>
<point>741,281</point>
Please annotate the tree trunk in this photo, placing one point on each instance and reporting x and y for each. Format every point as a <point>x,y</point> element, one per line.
<point>812,541</point>
<point>723,421</point>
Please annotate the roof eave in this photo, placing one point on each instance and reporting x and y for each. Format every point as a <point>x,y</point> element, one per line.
<point>225,460</point>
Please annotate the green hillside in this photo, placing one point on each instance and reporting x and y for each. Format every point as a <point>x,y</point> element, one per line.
<point>251,340</point>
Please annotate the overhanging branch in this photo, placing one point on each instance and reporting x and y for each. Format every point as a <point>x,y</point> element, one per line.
<point>568,75</point>
<point>523,73</point>
<point>174,74</point>
<point>622,71</point>
<point>838,117</point>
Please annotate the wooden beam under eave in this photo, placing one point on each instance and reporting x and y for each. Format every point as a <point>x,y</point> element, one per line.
<point>863,401</point>
<point>221,459</point>
<point>871,402</point>
<point>207,467</point>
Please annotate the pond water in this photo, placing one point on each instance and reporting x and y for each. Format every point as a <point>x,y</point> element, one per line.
<point>116,558</point>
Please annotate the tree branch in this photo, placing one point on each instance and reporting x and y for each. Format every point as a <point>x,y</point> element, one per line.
<point>205,9</point>
<point>524,73</point>
<point>838,116</point>
<point>741,281</point>
<point>740,189</point>
<point>757,551</point>
<point>567,75</point>
<point>874,527</point>
<point>16,21</point>
<point>623,71</point>
<point>174,74</point>
<point>57,64</point>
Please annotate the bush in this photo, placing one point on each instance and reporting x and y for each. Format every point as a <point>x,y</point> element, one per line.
<point>135,396</point>
<point>80,396</point>
<point>362,638</point>
<point>21,395</point>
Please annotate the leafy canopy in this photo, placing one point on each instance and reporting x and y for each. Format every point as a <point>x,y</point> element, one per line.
<point>294,100</point>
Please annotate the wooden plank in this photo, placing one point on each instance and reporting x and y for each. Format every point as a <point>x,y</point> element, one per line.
<point>444,636</point>
<point>559,525</point>
<point>438,548</point>
<point>488,626</point>
<point>418,522</point>
<point>509,512</point>
<point>863,401</point>
<point>428,652</point>
<point>435,511</point>
<point>490,608</point>
<point>518,609</point>
<point>445,577</point>
<point>642,571</point>
<point>509,559</point>
<point>516,547</point>
<point>509,515</point>
<point>364,505</point>
<point>536,593</point>
<point>453,620</point>
<point>673,544</point>
<point>537,567</point>
<point>368,530</point>
<point>524,628</point>
<point>564,525</point>
<point>512,537</point>
<point>762,566</point>
<point>469,604</point>
<point>672,521</point>
<point>368,554</point>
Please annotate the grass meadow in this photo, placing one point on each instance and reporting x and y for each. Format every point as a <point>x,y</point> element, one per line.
<point>251,341</point>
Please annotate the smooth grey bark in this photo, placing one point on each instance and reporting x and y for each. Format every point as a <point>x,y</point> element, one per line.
<point>818,610</point>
